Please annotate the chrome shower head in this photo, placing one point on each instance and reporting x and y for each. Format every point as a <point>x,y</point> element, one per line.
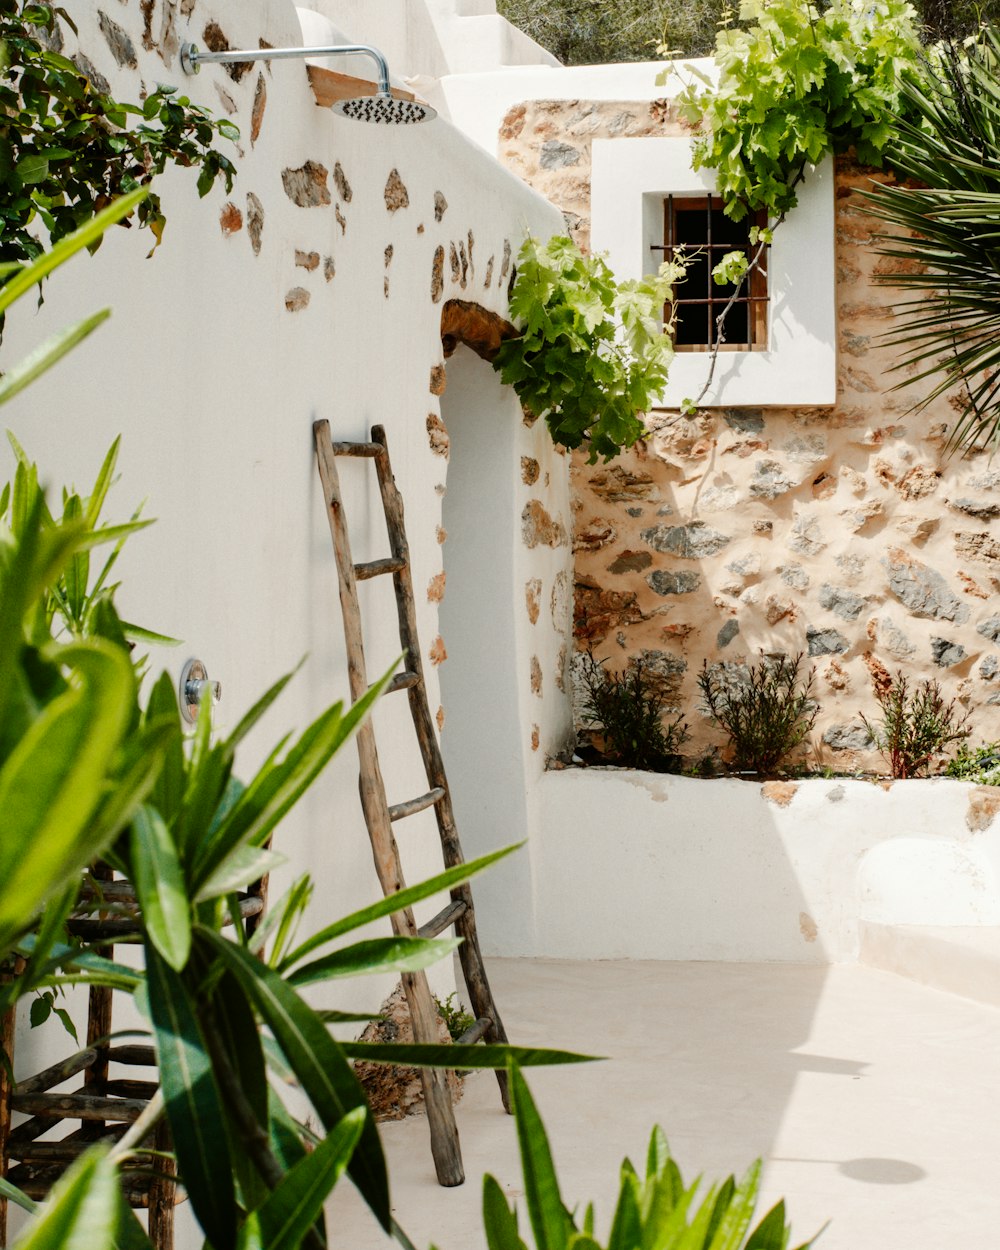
<point>384,110</point>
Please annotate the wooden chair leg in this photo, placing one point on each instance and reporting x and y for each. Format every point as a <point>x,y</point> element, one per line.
<point>162,1194</point>
<point>7,1021</point>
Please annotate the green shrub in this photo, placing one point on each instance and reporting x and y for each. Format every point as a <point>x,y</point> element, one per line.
<point>628,708</point>
<point>981,765</point>
<point>457,1019</point>
<point>593,353</point>
<point>916,724</point>
<point>765,709</point>
<point>67,148</point>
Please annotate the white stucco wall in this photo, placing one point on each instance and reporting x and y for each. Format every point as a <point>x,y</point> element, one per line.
<point>478,102</point>
<point>215,385</point>
<point>430,38</point>
<point>630,865</point>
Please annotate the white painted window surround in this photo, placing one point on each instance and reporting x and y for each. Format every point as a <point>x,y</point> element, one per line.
<point>629,180</point>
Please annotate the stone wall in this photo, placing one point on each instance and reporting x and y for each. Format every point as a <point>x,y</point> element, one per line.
<point>844,533</point>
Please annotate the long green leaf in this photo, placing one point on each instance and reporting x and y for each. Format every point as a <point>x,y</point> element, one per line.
<point>396,902</point>
<point>53,781</point>
<point>251,718</point>
<point>193,1103</point>
<point>549,1220</point>
<point>626,1227</point>
<point>22,282</point>
<point>105,476</point>
<point>280,785</point>
<point>13,1194</point>
<point>159,886</point>
<point>285,1135</point>
<point>241,869</point>
<point>499,1220</point>
<point>49,353</point>
<point>82,1210</point>
<point>297,1203</point>
<point>317,1061</point>
<point>234,1022</point>
<point>473,1058</point>
<point>393,954</point>
<point>771,1233</point>
<point>738,1215</point>
<point>131,1235</point>
<point>697,1233</point>
<point>138,633</point>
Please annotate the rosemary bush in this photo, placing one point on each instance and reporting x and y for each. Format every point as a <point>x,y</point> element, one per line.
<point>766,709</point>
<point>916,724</point>
<point>627,708</point>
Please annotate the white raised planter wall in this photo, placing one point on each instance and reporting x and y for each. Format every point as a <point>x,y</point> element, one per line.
<point>629,865</point>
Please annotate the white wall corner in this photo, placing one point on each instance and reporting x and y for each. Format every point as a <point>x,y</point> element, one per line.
<point>629,180</point>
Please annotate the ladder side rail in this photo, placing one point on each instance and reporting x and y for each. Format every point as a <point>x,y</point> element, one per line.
<point>470,955</point>
<point>437,1097</point>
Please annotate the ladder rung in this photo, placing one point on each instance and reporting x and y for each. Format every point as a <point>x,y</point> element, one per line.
<point>131,1089</point>
<point>368,450</point>
<point>58,1073</point>
<point>65,1150</point>
<point>412,806</point>
<point>402,681</point>
<point>141,1056</point>
<point>375,568</point>
<point>447,916</point>
<point>473,1034</point>
<point>78,1106</point>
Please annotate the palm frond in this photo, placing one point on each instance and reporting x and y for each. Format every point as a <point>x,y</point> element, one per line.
<point>943,236</point>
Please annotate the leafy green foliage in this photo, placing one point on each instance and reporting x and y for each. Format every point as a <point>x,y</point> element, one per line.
<point>981,765</point>
<point>454,1015</point>
<point>943,245</point>
<point>765,709</point>
<point>658,1210</point>
<point>916,724</point>
<point>596,32</point>
<point>796,83</point>
<point>627,708</point>
<point>67,148</point>
<point>593,353</point>
<point>83,1211</point>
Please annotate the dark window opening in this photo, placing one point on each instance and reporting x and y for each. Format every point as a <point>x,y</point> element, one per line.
<point>699,227</point>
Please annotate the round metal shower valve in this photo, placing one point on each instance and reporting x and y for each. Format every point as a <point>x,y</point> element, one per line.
<point>195,687</point>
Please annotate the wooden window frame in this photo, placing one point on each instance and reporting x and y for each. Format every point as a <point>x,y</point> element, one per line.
<point>757,297</point>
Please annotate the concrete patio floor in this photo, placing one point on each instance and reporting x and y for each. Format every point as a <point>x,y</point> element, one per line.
<point>873,1100</point>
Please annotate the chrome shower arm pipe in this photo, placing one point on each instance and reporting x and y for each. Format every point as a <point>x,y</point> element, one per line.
<point>192,58</point>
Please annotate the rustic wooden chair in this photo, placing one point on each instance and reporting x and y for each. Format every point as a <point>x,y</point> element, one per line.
<point>36,1152</point>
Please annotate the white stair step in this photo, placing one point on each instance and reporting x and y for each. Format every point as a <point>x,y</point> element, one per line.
<point>960,960</point>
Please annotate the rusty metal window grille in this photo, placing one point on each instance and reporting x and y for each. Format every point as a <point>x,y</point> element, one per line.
<point>699,226</point>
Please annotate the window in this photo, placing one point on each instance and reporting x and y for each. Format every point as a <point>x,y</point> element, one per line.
<point>796,363</point>
<point>700,230</point>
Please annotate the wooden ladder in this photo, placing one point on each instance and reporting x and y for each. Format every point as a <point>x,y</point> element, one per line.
<point>379,815</point>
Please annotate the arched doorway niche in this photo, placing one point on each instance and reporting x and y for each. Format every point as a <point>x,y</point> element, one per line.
<point>505,618</point>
